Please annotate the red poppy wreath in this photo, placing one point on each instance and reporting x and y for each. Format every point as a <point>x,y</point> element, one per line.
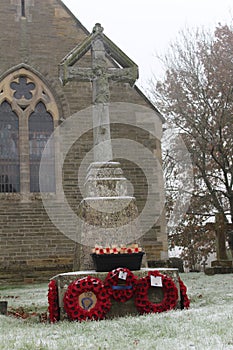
<point>121,284</point>
<point>53,302</point>
<point>184,300</point>
<point>170,294</point>
<point>86,299</point>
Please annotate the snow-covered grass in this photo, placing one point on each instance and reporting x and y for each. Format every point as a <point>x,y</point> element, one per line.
<point>207,325</point>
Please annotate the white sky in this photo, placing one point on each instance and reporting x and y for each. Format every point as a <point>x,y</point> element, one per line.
<point>143,28</point>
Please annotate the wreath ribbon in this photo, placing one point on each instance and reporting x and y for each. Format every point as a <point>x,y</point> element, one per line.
<point>122,287</point>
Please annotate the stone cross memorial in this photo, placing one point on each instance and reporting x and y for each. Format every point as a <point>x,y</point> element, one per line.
<point>106,209</point>
<point>99,74</point>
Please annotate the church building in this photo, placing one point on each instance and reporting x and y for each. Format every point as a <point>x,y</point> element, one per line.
<point>36,36</point>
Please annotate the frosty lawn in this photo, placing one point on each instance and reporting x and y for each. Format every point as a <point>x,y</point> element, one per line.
<point>208,324</point>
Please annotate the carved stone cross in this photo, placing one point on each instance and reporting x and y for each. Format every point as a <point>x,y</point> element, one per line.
<point>99,74</point>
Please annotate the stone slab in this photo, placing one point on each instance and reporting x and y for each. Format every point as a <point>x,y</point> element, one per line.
<point>117,309</point>
<point>221,263</point>
<point>210,271</point>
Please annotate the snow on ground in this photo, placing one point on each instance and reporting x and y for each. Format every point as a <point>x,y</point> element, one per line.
<point>207,325</point>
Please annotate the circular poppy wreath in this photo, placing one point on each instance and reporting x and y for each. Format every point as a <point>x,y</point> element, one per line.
<point>184,300</point>
<point>85,309</point>
<point>120,292</point>
<point>53,302</point>
<point>144,305</point>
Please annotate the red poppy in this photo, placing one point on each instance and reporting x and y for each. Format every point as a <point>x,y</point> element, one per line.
<point>53,308</point>
<point>78,312</point>
<point>185,302</point>
<point>120,289</point>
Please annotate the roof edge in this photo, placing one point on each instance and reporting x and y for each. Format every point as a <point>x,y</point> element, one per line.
<point>139,91</point>
<point>86,31</point>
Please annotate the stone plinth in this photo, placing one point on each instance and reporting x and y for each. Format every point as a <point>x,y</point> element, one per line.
<point>106,228</point>
<point>109,215</point>
<point>105,180</point>
<point>108,211</point>
<point>117,308</point>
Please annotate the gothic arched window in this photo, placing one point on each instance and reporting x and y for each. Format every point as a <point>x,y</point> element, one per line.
<point>9,149</point>
<point>40,128</point>
<point>28,116</point>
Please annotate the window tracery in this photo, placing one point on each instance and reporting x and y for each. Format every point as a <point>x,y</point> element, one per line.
<point>28,115</point>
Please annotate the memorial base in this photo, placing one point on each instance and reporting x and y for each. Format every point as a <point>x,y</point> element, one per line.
<point>117,308</point>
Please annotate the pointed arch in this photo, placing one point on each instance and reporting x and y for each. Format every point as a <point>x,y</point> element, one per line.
<point>23,88</point>
<point>31,102</point>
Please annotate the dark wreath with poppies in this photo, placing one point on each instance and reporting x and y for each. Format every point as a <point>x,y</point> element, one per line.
<point>121,284</point>
<point>170,294</point>
<point>184,300</point>
<point>86,299</point>
<point>53,308</point>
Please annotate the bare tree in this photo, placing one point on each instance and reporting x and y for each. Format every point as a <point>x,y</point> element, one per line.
<point>197,96</point>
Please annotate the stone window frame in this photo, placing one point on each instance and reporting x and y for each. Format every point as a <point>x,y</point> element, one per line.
<point>24,108</point>
<point>9,149</point>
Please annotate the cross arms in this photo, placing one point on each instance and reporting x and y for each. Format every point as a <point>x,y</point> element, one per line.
<point>127,75</point>
<point>74,73</point>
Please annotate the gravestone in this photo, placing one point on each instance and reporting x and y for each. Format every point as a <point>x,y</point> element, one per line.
<point>222,264</point>
<point>3,307</point>
<point>106,210</point>
<point>220,231</point>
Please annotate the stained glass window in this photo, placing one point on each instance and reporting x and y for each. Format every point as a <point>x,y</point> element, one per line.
<point>40,128</point>
<point>9,149</point>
